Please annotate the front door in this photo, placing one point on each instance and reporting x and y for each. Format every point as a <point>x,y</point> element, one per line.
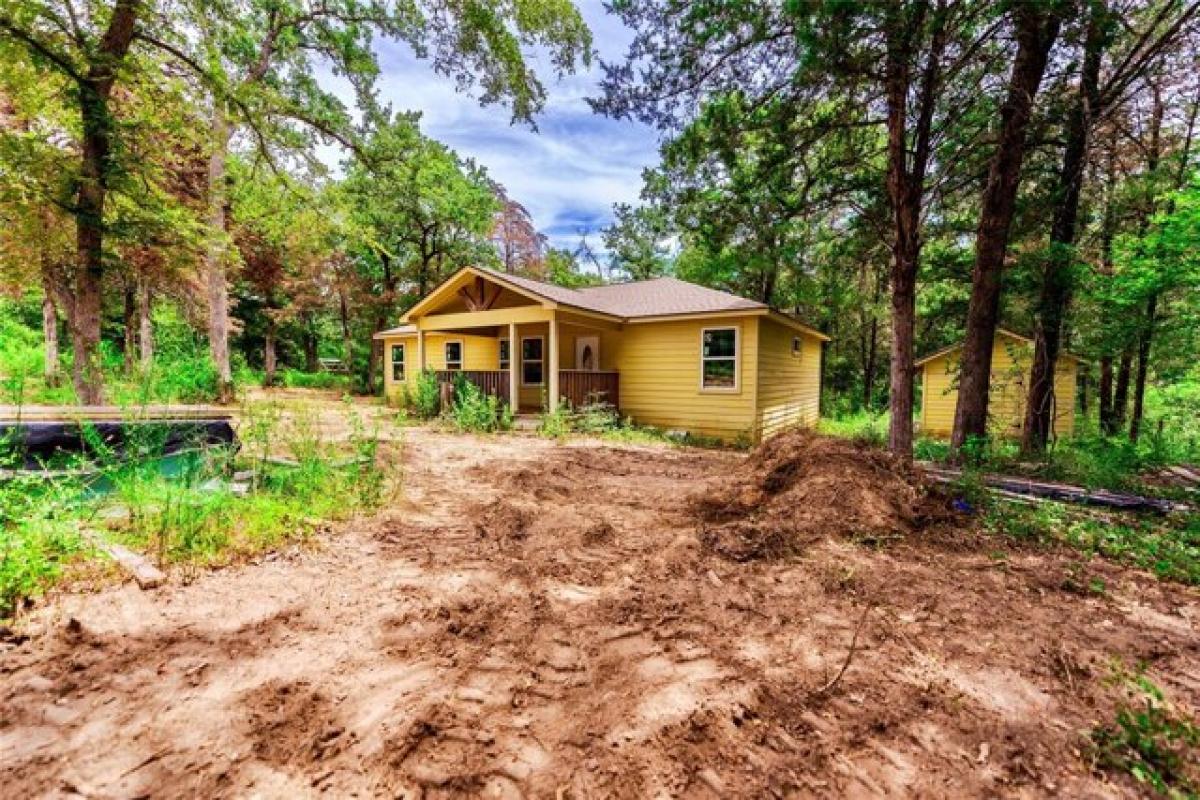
<point>587,353</point>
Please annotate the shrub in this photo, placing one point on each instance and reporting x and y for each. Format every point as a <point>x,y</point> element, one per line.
<point>426,397</point>
<point>296,379</point>
<point>475,412</point>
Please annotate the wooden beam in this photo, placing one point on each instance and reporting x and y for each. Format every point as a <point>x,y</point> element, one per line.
<point>514,386</point>
<point>484,319</point>
<point>146,574</point>
<point>552,366</point>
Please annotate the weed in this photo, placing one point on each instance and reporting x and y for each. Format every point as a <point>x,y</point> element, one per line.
<point>1150,739</point>
<point>472,411</point>
<point>426,400</point>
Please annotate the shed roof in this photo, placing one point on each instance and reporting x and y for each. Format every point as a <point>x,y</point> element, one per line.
<point>1001,331</point>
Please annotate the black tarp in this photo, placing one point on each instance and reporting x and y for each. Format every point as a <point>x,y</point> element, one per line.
<point>38,444</point>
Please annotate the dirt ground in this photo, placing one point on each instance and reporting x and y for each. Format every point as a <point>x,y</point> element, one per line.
<point>539,620</point>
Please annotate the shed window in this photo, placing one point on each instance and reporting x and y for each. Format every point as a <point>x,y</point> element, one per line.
<point>454,359</point>
<point>397,362</point>
<point>719,358</point>
<point>797,346</point>
<point>532,366</point>
<point>504,354</point>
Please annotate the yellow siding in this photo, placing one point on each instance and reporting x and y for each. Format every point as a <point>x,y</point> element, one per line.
<point>659,364</point>
<point>1011,363</point>
<point>789,386</point>
<point>479,352</point>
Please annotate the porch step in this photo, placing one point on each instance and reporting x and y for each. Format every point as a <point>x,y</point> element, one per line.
<point>526,422</point>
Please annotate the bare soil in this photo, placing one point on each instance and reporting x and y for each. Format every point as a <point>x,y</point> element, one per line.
<point>541,620</point>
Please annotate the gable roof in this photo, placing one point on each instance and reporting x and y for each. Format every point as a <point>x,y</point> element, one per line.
<point>1002,332</point>
<point>657,297</point>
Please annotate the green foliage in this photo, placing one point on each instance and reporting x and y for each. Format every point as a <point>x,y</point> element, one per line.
<point>426,397</point>
<point>296,379</point>
<point>472,411</point>
<point>1167,546</point>
<point>188,508</point>
<point>1152,741</point>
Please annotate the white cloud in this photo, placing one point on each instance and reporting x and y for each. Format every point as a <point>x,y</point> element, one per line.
<point>569,171</point>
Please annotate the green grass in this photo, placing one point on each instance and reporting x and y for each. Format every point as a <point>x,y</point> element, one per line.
<point>194,515</point>
<point>602,421</point>
<point>1167,546</point>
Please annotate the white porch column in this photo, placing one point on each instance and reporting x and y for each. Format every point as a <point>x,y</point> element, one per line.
<point>420,350</point>
<point>514,355</point>
<point>552,393</point>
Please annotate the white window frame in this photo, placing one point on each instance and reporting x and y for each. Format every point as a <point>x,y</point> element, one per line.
<point>500,354</point>
<point>736,358</point>
<point>403,363</point>
<point>541,361</point>
<point>462,355</point>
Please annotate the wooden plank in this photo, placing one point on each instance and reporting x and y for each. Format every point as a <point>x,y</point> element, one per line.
<point>146,574</point>
<point>112,413</point>
<point>1062,491</point>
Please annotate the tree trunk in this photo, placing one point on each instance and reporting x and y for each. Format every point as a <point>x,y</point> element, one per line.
<point>347,337</point>
<point>1143,367</point>
<point>215,254</point>
<point>1057,288</point>
<point>145,327</point>
<point>1105,392</point>
<point>869,368</point>
<point>269,354</point>
<point>1121,392</point>
<point>84,310</point>
<point>1035,35</point>
<point>50,369</point>
<point>906,189</point>
<point>129,329</point>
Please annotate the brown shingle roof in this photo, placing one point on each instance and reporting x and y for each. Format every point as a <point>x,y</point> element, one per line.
<point>658,297</point>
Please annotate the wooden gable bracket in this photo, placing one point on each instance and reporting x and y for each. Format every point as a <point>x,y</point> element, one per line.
<point>479,300</point>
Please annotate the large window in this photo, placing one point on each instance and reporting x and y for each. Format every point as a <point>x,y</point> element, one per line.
<point>718,358</point>
<point>397,362</point>
<point>532,364</point>
<point>504,354</point>
<point>454,355</point>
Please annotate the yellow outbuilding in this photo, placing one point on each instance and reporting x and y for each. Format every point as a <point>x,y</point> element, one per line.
<point>1012,363</point>
<point>664,352</point>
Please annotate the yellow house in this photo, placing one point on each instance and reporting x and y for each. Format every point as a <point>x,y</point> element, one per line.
<point>664,352</point>
<point>1012,363</point>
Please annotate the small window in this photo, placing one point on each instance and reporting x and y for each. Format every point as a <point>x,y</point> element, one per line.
<point>504,354</point>
<point>454,355</point>
<point>397,362</point>
<point>797,346</point>
<point>719,358</point>
<point>531,361</point>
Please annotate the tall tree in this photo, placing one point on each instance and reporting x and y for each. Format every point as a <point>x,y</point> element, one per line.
<point>1036,27</point>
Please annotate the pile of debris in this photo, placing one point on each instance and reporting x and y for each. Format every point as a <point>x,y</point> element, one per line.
<point>799,487</point>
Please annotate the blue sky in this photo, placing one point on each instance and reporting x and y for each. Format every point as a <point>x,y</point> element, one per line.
<point>568,172</point>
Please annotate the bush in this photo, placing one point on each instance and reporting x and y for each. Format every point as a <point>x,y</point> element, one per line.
<point>296,379</point>
<point>472,411</point>
<point>426,397</point>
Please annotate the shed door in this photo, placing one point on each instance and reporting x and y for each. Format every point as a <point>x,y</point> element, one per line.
<point>587,353</point>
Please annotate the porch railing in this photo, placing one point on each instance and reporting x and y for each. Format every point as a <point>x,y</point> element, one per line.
<point>575,386</point>
<point>490,381</point>
<point>583,387</point>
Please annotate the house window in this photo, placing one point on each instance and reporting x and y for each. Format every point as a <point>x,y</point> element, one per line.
<point>504,354</point>
<point>531,361</point>
<point>797,346</point>
<point>397,362</point>
<point>454,355</point>
<point>719,358</point>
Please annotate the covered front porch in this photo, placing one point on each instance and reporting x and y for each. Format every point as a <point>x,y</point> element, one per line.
<point>531,358</point>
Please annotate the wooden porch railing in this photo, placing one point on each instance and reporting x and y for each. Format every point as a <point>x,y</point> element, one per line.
<point>490,381</point>
<point>583,387</point>
<point>575,386</point>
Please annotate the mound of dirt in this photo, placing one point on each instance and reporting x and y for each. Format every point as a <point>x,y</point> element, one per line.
<point>800,486</point>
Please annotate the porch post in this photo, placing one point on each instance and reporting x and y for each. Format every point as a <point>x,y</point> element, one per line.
<point>514,353</point>
<point>420,350</point>
<point>552,393</point>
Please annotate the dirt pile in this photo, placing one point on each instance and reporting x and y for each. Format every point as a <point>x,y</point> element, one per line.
<point>800,486</point>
